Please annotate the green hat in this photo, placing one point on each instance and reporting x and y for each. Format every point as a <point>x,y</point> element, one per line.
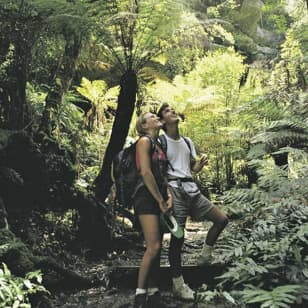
<point>172,225</point>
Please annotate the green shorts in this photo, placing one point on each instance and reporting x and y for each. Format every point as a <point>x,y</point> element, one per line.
<point>194,205</point>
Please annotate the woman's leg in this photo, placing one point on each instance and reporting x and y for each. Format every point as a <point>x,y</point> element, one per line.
<point>151,232</point>
<point>153,278</point>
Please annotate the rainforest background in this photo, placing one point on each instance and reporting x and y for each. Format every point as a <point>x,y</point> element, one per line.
<point>74,74</point>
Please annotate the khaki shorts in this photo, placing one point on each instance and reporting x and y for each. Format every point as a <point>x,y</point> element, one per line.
<point>194,205</point>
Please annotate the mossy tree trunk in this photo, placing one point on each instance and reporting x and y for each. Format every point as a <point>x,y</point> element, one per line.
<point>17,51</point>
<point>60,85</point>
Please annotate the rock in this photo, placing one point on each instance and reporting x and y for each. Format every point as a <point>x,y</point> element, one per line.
<point>250,14</point>
<point>267,37</point>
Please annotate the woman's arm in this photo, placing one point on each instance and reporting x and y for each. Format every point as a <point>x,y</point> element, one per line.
<point>143,151</point>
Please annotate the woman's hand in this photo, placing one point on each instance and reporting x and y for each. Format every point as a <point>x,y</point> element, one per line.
<point>163,206</point>
<point>169,202</point>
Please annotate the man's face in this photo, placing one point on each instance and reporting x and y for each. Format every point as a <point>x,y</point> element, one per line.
<point>169,115</point>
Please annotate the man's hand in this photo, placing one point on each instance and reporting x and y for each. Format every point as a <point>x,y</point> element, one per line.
<point>199,164</point>
<point>203,160</point>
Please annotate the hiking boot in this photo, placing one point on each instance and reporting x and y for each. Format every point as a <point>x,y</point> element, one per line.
<point>183,292</point>
<point>140,300</point>
<point>154,301</point>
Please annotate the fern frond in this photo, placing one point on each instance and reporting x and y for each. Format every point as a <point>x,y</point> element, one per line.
<point>281,296</point>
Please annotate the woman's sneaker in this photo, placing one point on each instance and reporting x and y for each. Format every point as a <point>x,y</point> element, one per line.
<point>183,292</point>
<point>140,301</point>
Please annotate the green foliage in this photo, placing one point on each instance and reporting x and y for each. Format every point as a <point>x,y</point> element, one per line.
<point>282,296</point>
<point>94,91</point>
<point>16,291</point>
<point>133,32</point>
<point>282,133</point>
<point>217,69</point>
<point>275,15</point>
<point>288,75</point>
<point>246,43</point>
<point>208,296</point>
<point>88,146</point>
<point>186,46</point>
<point>266,249</point>
<point>212,94</point>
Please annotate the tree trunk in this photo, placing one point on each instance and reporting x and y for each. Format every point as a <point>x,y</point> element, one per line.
<point>50,118</point>
<point>252,176</point>
<point>15,92</point>
<point>229,171</point>
<point>126,106</point>
<point>281,160</point>
<point>217,174</point>
<point>301,81</point>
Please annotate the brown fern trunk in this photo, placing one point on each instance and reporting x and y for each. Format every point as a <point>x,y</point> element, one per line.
<point>126,106</point>
<point>281,159</point>
<point>229,171</point>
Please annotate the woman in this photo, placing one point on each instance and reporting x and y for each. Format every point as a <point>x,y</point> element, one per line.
<point>150,200</point>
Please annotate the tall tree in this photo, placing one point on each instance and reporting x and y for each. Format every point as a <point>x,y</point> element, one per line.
<point>133,31</point>
<point>72,31</point>
<point>22,23</point>
<point>19,30</point>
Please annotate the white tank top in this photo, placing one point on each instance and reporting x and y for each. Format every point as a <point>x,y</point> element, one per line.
<point>178,154</point>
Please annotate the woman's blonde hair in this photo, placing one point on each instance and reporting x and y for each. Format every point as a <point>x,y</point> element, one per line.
<point>140,121</point>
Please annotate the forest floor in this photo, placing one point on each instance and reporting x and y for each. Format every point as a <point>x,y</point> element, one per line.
<point>119,273</point>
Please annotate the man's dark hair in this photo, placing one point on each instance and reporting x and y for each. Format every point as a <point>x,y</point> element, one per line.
<point>161,110</point>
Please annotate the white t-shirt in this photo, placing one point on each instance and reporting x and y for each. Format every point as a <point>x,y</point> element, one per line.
<point>178,154</point>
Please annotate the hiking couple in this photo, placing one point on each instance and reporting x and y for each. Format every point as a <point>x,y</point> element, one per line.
<point>168,187</point>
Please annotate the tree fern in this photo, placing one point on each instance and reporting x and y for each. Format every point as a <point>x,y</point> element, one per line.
<point>132,31</point>
<point>283,133</point>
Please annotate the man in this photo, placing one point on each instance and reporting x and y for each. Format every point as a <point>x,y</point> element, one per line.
<point>187,198</point>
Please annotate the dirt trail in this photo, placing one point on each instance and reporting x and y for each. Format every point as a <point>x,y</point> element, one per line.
<point>113,295</point>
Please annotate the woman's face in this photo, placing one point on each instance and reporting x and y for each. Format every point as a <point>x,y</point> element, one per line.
<point>151,121</point>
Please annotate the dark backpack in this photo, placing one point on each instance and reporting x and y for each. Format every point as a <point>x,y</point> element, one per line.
<point>125,174</point>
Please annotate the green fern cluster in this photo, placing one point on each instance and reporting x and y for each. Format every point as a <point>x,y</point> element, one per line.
<point>15,291</point>
<point>267,248</point>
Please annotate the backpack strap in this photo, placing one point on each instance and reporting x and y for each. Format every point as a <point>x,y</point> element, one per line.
<point>192,159</point>
<point>162,140</point>
<point>164,144</point>
<point>152,143</point>
<point>188,143</point>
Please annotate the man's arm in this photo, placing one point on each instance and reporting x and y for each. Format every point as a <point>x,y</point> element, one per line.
<point>200,163</point>
<point>196,164</point>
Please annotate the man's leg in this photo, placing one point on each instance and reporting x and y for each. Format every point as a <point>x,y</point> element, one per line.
<point>203,209</point>
<point>175,256</point>
<point>220,220</point>
<point>180,212</point>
